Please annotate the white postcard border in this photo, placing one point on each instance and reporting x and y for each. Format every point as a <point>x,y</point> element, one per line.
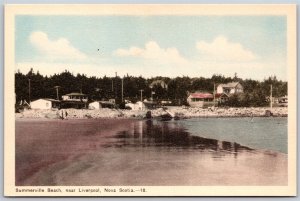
<point>9,119</point>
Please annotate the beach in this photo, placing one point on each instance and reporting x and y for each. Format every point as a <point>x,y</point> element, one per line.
<point>117,152</point>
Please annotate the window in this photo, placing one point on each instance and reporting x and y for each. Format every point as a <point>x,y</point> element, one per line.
<point>227,90</point>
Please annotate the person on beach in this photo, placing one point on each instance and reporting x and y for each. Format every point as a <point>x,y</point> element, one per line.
<point>62,114</point>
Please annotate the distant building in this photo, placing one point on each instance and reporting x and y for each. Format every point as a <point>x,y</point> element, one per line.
<point>150,104</point>
<point>221,98</point>
<point>200,99</point>
<point>160,83</point>
<point>230,88</point>
<point>74,100</point>
<point>75,97</point>
<point>45,103</point>
<point>111,103</point>
<point>112,100</point>
<point>166,102</point>
<point>136,106</point>
<point>283,101</point>
<point>94,105</point>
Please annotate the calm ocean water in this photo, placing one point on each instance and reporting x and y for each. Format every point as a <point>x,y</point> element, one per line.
<point>259,132</point>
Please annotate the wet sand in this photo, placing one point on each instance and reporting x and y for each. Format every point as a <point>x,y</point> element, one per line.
<point>134,152</point>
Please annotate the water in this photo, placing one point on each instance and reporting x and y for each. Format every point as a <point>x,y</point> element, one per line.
<point>118,152</point>
<point>259,132</point>
<point>170,134</point>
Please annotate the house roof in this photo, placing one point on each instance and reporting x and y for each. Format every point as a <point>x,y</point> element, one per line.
<point>230,84</point>
<point>75,94</point>
<point>106,102</point>
<point>159,82</point>
<point>201,95</point>
<point>52,100</point>
<point>220,95</point>
<point>73,102</point>
<point>47,99</point>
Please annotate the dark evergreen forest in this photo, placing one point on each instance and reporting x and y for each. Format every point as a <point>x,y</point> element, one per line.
<point>102,88</point>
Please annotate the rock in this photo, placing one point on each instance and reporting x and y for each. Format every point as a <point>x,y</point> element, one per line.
<point>268,113</point>
<point>148,115</point>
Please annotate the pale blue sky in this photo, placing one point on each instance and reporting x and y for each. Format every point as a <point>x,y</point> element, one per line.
<point>185,45</point>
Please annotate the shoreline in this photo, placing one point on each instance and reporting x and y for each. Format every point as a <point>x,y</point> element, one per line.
<point>171,112</point>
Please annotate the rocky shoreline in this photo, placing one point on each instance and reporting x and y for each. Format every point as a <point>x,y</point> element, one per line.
<point>176,112</point>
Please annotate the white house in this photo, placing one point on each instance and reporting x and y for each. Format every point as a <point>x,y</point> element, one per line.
<point>230,88</point>
<point>136,106</point>
<point>74,100</point>
<point>44,103</point>
<point>199,99</point>
<point>75,97</point>
<point>94,105</point>
<point>159,82</point>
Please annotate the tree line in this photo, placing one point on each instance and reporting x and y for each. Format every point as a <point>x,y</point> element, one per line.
<point>103,88</point>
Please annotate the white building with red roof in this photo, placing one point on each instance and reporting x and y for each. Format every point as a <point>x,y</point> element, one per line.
<point>200,99</point>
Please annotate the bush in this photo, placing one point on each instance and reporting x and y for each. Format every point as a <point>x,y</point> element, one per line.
<point>246,100</point>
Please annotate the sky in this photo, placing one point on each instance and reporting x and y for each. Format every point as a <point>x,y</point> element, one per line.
<point>254,47</point>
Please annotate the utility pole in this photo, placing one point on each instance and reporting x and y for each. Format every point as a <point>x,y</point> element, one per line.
<point>116,91</point>
<point>141,98</point>
<point>141,94</point>
<point>56,87</point>
<point>122,89</point>
<point>214,94</point>
<point>271,98</point>
<point>151,93</point>
<point>112,85</point>
<point>29,91</point>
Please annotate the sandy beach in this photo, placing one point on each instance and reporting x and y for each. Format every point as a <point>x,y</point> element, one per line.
<point>135,152</point>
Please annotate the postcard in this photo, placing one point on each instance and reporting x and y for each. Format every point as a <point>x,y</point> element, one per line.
<point>150,100</point>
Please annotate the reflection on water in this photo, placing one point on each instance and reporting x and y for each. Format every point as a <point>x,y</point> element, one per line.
<point>163,134</point>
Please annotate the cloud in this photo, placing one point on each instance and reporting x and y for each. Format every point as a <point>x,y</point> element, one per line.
<point>223,50</point>
<point>60,49</point>
<point>154,52</point>
<point>217,57</point>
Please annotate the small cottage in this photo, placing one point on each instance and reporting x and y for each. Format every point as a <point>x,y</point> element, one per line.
<point>44,103</point>
<point>221,98</point>
<point>94,105</point>
<point>199,99</point>
<point>108,104</point>
<point>136,106</point>
<point>74,100</point>
<point>283,101</point>
<point>75,97</point>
